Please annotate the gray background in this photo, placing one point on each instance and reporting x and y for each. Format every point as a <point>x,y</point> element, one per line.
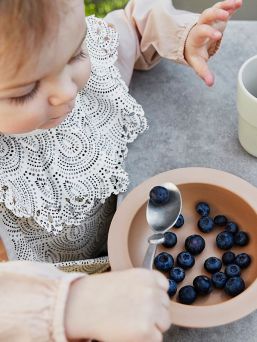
<point>248,11</point>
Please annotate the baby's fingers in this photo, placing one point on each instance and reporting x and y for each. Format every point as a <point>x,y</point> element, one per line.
<point>229,5</point>
<point>211,15</point>
<point>201,34</point>
<point>201,68</point>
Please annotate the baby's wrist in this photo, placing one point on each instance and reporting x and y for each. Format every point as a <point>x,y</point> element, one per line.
<point>78,318</point>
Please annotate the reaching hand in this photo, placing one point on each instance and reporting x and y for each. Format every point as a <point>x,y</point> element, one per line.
<point>125,306</point>
<point>205,35</point>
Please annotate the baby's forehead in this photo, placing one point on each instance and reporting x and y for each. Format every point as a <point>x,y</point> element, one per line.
<point>24,24</point>
<point>36,34</point>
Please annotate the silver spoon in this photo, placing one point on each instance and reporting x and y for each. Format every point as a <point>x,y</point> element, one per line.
<point>161,216</point>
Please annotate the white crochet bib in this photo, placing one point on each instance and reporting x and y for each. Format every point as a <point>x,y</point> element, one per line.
<point>57,176</point>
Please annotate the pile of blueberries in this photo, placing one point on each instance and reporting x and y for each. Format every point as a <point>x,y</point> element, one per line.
<point>230,280</point>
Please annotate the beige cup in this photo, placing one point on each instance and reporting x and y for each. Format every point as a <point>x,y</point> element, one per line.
<point>247,105</point>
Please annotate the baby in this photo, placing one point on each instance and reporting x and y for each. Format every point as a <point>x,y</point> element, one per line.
<point>66,118</point>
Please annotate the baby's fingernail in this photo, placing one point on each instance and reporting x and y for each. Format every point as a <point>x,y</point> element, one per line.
<point>209,80</point>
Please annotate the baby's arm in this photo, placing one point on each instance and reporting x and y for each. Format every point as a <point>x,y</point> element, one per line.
<point>151,29</point>
<point>33,297</point>
<point>42,303</point>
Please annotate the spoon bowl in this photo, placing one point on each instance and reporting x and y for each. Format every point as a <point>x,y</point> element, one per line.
<point>163,209</point>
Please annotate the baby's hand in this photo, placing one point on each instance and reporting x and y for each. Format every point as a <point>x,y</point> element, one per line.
<point>209,29</point>
<point>127,306</point>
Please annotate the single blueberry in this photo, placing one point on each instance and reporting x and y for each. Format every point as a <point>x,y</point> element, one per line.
<point>231,227</point>
<point>228,258</point>
<point>163,261</point>
<point>234,286</point>
<point>177,274</point>
<point>232,271</point>
<point>243,260</point>
<point>170,240</point>
<point>242,238</point>
<point>203,209</point>
<point>172,288</point>
<point>202,285</point>
<point>219,280</point>
<point>225,240</point>
<point>194,244</point>
<point>159,195</point>
<point>212,265</point>
<point>206,224</point>
<point>220,220</point>
<point>187,294</point>
<point>185,260</point>
<point>180,221</point>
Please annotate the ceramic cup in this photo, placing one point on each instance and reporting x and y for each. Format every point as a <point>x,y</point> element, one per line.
<point>247,105</point>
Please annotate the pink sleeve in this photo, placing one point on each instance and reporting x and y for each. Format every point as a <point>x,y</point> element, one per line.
<point>149,30</point>
<point>33,297</point>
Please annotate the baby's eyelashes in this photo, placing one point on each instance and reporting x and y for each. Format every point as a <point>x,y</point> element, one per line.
<point>19,100</point>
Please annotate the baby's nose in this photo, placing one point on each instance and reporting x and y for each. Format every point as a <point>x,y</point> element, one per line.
<point>64,92</point>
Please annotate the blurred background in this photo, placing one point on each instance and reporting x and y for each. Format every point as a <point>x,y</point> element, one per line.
<point>101,7</point>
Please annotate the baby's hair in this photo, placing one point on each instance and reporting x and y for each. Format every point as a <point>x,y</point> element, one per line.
<point>23,26</point>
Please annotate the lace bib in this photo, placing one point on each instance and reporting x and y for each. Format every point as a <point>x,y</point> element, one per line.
<point>56,176</point>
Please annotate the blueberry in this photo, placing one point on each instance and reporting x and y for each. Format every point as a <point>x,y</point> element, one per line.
<point>220,220</point>
<point>242,238</point>
<point>228,258</point>
<point>234,286</point>
<point>232,271</point>
<point>172,288</point>
<point>206,224</point>
<point>177,274</point>
<point>194,244</point>
<point>203,209</point>
<point>180,221</point>
<point>212,265</point>
<point>243,260</point>
<point>225,240</point>
<point>219,280</point>
<point>163,261</point>
<point>202,285</point>
<point>185,260</point>
<point>187,294</point>
<point>170,240</point>
<point>231,227</point>
<point>159,195</point>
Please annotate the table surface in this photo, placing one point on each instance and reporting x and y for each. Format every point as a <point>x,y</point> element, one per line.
<point>192,125</point>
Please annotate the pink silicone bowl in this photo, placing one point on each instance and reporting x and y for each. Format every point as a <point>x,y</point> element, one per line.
<point>226,194</point>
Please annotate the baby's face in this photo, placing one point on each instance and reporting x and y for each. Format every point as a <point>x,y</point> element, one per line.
<point>43,91</point>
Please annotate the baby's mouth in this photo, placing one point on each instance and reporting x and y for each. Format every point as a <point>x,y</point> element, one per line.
<point>64,115</point>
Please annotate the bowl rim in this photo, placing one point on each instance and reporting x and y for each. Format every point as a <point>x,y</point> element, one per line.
<point>194,316</point>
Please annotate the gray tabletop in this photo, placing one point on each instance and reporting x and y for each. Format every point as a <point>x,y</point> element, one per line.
<point>192,125</point>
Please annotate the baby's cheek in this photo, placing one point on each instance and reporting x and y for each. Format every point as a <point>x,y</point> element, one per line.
<point>23,118</point>
<point>83,73</point>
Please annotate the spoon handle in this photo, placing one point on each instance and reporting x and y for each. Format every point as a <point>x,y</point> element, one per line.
<point>149,256</point>
<point>153,240</point>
